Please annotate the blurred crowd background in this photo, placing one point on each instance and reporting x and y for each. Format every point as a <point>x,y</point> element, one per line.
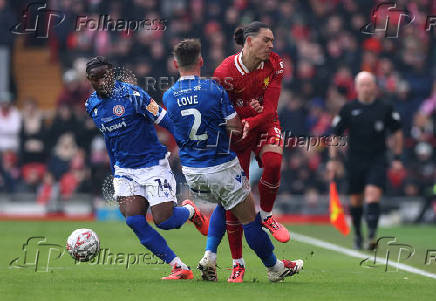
<point>322,46</point>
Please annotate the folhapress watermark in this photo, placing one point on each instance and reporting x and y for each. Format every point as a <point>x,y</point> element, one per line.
<point>389,250</point>
<point>37,20</point>
<point>107,23</point>
<point>387,18</point>
<point>39,255</point>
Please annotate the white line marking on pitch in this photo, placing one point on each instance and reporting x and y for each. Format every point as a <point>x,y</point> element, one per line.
<point>356,254</point>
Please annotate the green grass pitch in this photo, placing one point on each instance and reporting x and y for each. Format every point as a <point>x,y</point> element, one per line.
<point>327,275</point>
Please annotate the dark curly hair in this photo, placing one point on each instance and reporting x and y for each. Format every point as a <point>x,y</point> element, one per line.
<point>252,29</point>
<point>97,62</point>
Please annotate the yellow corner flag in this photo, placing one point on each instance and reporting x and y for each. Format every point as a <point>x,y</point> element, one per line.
<point>337,217</point>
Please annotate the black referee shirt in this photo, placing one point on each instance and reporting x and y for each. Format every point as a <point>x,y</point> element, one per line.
<point>367,126</point>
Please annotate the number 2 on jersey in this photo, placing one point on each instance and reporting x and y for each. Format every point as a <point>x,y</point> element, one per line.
<point>197,122</point>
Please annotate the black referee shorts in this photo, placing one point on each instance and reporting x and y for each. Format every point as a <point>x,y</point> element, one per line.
<point>363,171</point>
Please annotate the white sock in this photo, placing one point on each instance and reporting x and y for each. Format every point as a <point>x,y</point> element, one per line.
<point>178,262</point>
<point>211,256</point>
<point>191,210</point>
<point>240,261</point>
<point>264,214</point>
<point>279,266</point>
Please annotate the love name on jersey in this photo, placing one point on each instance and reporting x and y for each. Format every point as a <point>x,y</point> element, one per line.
<point>187,100</point>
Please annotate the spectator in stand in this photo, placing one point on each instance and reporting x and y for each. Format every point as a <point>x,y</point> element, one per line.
<point>64,122</point>
<point>10,125</point>
<point>60,160</point>
<point>99,163</point>
<point>58,181</point>
<point>32,145</point>
<point>7,21</point>
<point>74,93</point>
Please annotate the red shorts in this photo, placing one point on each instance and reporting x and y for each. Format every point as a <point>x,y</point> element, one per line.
<point>254,142</point>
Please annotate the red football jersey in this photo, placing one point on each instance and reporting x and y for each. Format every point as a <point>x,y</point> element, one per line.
<point>263,84</point>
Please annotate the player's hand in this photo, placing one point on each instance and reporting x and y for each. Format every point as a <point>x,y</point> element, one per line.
<point>332,169</point>
<point>397,165</point>
<point>255,104</point>
<point>245,129</point>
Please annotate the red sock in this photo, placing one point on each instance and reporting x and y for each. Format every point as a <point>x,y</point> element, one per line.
<point>270,181</point>
<point>234,234</point>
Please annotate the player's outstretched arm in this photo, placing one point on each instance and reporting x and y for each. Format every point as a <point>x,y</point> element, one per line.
<point>397,149</point>
<point>339,124</point>
<point>394,124</point>
<point>146,106</point>
<point>234,128</point>
<point>270,101</point>
<point>110,153</point>
<point>234,125</point>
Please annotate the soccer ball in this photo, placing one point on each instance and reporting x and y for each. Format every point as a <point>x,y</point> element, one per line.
<point>83,244</point>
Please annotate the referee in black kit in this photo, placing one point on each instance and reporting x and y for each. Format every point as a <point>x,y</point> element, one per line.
<point>368,120</point>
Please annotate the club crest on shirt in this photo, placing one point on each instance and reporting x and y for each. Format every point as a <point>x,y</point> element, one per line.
<point>118,110</point>
<point>239,102</point>
<point>266,82</point>
<point>379,126</point>
<point>356,112</point>
<point>153,108</point>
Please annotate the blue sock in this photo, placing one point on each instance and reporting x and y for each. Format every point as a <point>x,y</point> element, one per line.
<point>150,238</point>
<point>175,221</point>
<point>217,229</point>
<point>259,241</point>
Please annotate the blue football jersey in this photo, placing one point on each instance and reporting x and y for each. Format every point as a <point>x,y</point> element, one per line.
<point>127,120</point>
<point>199,109</point>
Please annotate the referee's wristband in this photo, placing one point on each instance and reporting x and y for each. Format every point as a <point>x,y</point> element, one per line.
<point>398,157</point>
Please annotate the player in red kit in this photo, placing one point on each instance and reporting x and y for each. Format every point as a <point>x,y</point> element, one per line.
<point>253,80</point>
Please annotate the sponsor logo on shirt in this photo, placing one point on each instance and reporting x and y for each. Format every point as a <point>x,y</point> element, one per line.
<point>113,127</point>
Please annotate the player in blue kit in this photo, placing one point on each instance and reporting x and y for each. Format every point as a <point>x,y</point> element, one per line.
<point>125,114</point>
<point>203,120</point>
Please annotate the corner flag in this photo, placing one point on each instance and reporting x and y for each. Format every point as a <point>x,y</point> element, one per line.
<point>337,217</point>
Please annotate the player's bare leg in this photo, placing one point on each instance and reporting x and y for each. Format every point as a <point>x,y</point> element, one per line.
<point>372,195</point>
<point>259,241</point>
<point>134,208</point>
<point>271,156</point>
<point>356,212</point>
